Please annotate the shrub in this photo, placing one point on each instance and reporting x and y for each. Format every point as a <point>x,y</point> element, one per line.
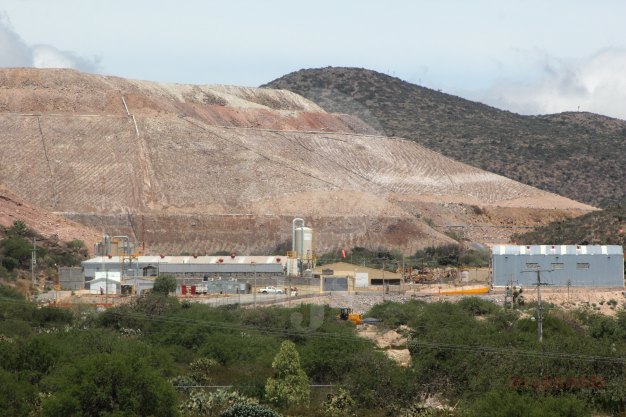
<point>249,410</point>
<point>164,284</point>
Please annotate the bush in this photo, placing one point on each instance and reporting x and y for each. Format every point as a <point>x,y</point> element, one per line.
<point>104,384</point>
<point>508,403</point>
<point>249,410</point>
<point>164,284</point>
<point>477,306</point>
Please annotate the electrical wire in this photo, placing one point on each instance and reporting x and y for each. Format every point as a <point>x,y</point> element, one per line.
<point>336,336</point>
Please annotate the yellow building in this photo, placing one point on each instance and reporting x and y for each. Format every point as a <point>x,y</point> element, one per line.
<point>357,278</point>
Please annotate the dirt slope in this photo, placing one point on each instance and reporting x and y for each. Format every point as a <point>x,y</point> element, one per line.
<point>206,168</point>
<point>47,224</point>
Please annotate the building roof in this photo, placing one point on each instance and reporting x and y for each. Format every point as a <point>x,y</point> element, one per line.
<point>557,250</point>
<point>201,260</point>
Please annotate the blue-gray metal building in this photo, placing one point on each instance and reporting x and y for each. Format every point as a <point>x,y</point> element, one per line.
<point>559,265</point>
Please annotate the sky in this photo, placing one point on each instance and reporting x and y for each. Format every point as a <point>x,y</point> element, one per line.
<point>526,56</point>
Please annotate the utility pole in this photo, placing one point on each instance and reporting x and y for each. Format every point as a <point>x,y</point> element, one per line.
<point>106,286</point>
<point>539,305</point>
<point>255,290</point>
<point>33,263</point>
<point>539,309</point>
<point>383,280</point>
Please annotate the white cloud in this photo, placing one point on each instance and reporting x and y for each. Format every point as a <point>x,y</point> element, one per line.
<point>14,52</point>
<point>596,84</point>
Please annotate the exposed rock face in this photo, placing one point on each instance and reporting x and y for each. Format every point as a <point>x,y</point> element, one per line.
<point>206,168</point>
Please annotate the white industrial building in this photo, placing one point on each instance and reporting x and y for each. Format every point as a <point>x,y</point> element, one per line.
<point>105,283</point>
<point>559,265</point>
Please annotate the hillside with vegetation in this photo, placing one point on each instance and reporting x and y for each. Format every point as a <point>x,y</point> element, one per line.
<point>16,249</point>
<point>161,357</point>
<point>606,227</point>
<point>577,154</point>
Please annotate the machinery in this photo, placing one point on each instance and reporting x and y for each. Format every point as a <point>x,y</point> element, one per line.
<point>345,313</point>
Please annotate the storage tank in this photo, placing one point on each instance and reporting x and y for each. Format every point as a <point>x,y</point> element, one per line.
<point>304,243</point>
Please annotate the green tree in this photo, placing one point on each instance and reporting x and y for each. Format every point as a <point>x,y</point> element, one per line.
<point>290,385</point>
<point>110,385</point>
<point>164,284</point>
<point>17,252</point>
<point>16,397</point>
<point>18,229</point>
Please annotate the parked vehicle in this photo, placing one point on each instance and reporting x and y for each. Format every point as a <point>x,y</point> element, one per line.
<point>271,290</point>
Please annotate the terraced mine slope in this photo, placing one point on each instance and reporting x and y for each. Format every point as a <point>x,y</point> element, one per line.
<point>577,154</point>
<point>207,168</point>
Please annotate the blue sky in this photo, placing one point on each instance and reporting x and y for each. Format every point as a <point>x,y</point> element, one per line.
<point>525,56</point>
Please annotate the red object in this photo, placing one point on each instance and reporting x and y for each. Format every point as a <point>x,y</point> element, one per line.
<point>220,260</point>
<point>193,290</point>
<point>161,255</point>
<point>233,254</point>
<point>343,253</point>
<point>110,256</point>
<point>277,259</point>
<point>183,289</point>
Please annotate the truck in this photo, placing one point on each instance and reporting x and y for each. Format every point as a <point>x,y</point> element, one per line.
<point>270,290</point>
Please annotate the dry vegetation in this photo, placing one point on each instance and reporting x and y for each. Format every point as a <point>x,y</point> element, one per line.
<point>578,155</point>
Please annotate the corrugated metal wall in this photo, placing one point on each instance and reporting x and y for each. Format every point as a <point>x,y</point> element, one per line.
<point>71,278</point>
<point>583,267</point>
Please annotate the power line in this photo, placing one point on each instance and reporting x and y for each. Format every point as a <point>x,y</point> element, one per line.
<point>352,338</point>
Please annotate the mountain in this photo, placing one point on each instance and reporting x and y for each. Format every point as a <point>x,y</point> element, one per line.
<point>201,169</point>
<point>578,155</point>
<point>605,227</point>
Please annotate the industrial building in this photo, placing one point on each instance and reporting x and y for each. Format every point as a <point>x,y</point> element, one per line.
<point>342,276</point>
<point>558,265</point>
<point>135,271</point>
<point>200,266</point>
<point>106,283</point>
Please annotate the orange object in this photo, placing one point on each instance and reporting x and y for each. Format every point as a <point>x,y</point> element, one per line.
<point>465,291</point>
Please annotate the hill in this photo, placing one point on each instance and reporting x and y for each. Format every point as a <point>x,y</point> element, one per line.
<point>578,155</point>
<point>48,226</point>
<point>606,227</point>
<point>208,168</point>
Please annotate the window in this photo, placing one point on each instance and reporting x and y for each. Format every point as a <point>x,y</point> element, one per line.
<point>582,265</point>
<point>532,265</point>
<point>557,265</point>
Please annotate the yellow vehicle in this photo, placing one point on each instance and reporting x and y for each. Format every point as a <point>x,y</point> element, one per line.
<point>345,313</point>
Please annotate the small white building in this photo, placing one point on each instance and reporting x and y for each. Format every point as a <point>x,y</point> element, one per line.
<point>99,284</point>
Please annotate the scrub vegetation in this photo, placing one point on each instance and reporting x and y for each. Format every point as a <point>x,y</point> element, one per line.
<point>165,358</point>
